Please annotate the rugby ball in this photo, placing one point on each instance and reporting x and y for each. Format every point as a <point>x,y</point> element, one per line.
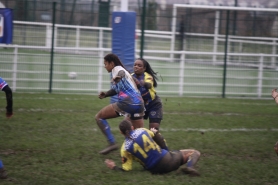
<point>72,75</point>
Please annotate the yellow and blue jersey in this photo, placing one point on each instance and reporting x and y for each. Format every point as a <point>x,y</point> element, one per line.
<point>148,95</point>
<point>142,148</point>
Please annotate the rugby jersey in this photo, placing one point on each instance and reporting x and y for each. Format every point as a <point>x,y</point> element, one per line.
<point>142,148</point>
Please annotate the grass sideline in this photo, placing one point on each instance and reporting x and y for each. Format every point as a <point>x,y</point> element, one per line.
<point>53,139</point>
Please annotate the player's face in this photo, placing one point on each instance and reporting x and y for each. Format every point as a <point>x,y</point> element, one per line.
<point>109,66</point>
<point>139,67</point>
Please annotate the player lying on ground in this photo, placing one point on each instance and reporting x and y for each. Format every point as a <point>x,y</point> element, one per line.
<point>139,145</point>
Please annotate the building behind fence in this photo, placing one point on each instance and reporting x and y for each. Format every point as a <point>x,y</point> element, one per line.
<point>197,50</point>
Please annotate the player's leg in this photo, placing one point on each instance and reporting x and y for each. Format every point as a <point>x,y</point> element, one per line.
<point>159,139</point>
<point>155,113</point>
<point>136,123</point>
<point>190,158</point>
<point>133,113</point>
<point>106,113</point>
<point>9,98</point>
<point>3,174</point>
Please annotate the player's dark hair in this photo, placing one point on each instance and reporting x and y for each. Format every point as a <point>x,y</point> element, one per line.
<point>149,70</point>
<point>115,59</point>
<point>125,128</point>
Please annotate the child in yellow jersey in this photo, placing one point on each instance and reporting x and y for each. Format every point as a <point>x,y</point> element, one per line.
<point>140,145</point>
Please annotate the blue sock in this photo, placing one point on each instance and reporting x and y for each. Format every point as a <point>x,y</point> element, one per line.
<point>1,164</point>
<point>107,131</point>
<point>189,162</point>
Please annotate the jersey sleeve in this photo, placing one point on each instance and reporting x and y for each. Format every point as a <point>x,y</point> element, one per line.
<point>149,132</point>
<point>148,78</point>
<point>127,159</point>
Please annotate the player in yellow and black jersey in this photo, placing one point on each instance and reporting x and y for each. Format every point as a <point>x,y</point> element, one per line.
<point>146,78</point>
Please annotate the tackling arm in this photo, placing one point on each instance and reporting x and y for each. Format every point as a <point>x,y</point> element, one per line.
<point>139,84</point>
<point>159,139</point>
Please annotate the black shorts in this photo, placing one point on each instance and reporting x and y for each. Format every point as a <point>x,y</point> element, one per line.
<point>154,110</point>
<point>170,162</point>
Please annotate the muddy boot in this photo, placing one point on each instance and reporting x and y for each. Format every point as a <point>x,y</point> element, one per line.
<point>108,149</point>
<point>105,128</point>
<point>188,170</point>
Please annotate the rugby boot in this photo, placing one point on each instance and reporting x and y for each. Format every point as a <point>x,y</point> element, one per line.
<point>108,149</point>
<point>188,170</point>
<point>9,114</point>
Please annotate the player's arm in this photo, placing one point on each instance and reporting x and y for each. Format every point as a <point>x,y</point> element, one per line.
<point>119,76</point>
<point>111,164</point>
<point>142,83</point>
<point>126,161</point>
<point>148,81</point>
<point>159,139</point>
<point>109,93</point>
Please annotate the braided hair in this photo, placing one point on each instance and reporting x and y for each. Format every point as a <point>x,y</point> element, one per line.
<point>149,70</point>
<point>125,128</point>
<point>115,59</point>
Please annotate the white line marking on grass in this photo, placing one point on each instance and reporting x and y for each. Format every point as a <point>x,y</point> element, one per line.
<point>221,130</point>
<point>210,130</point>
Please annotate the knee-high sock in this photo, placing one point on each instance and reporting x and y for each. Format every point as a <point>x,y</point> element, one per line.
<point>192,160</point>
<point>1,164</point>
<point>105,128</point>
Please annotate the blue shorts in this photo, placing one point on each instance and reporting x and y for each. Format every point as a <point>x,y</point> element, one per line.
<point>2,83</point>
<point>134,112</point>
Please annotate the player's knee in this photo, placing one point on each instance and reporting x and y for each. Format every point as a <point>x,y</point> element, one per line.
<point>97,116</point>
<point>197,153</point>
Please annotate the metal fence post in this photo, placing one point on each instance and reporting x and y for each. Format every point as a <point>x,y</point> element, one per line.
<point>143,29</point>
<point>216,33</point>
<point>52,47</point>
<point>181,75</point>
<point>15,68</point>
<point>260,75</point>
<point>225,54</point>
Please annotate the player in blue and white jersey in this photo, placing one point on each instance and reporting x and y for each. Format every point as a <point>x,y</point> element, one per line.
<point>140,145</point>
<point>130,103</point>
<point>9,97</point>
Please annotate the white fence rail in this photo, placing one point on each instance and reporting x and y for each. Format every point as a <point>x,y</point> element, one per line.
<point>196,71</point>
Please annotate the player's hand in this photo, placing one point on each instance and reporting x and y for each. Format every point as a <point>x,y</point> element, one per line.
<point>274,93</point>
<point>109,163</point>
<point>154,130</point>
<point>102,95</point>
